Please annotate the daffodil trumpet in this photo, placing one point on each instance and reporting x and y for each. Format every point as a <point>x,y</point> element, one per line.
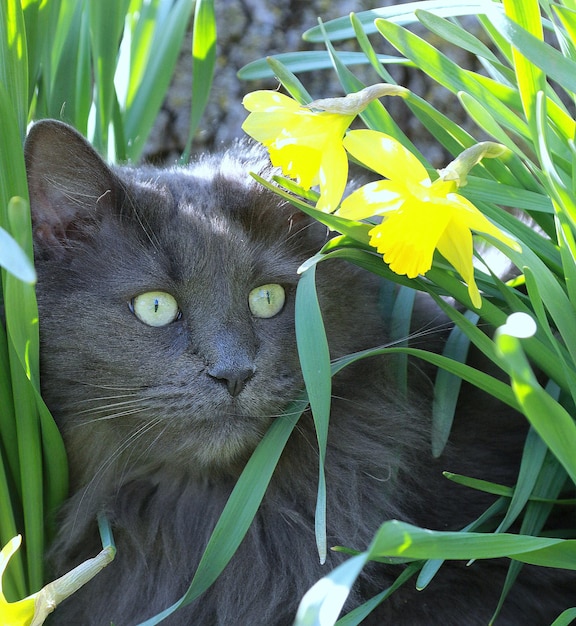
<point>419,216</point>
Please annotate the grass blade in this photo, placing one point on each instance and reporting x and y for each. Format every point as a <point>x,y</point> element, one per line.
<point>315,363</point>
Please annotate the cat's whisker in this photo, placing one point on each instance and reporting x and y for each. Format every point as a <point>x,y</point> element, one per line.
<point>99,407</point>
<point>110,416</point>
<point>111,459</point>
<point>106,387</point>
<point>133,460</point>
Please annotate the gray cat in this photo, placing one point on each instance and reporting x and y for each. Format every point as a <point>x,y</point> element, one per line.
<point>167,302</point>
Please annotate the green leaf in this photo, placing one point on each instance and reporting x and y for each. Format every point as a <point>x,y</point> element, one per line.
<point>399,539</point>
<point>448,74</point>
<point>530,467</point>
<point>309,61</point>
<point>565,618</point>
<point>456,35</point>
<point>552,422</point>
<point>400,14</point>
<point>14,259</point>
<point>447,387</point>
<point>315,363</point>
<point>529,76</point>
<point>541,55</point>
<point>169,30</point>
<point>70,94</point>
<point>203,63</point>
<point>106,26</point>
<point>289,81</point>
<point>14,65</point>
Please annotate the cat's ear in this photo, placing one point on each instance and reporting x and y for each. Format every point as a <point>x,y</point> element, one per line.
<point>70,185</point>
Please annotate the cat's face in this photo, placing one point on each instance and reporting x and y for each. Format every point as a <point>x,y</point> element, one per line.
<point>166,302</point>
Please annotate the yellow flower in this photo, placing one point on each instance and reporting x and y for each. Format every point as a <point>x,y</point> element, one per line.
<point>306,144</point>
<point>419,216</point>
<point>14,613</point>
<point>306,141</point>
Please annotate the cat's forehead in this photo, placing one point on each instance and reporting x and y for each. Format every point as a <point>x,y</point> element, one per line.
<point>214,223</point>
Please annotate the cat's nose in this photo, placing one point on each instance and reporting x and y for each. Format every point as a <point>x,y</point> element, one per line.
<point>235,379</point>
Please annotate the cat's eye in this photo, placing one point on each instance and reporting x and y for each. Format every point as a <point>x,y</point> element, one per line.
<point>155,308</point>
<point>266,300</point>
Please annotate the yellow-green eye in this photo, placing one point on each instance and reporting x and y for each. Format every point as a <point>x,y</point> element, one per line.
<point>267,300</point>
<point>155,308</point>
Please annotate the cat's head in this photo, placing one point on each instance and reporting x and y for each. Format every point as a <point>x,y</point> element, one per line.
<point>166,302</point>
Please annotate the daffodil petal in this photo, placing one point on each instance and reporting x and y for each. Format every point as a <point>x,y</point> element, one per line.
<point>6,554</point>
<point>299,162</point>
<point>385,155</point>
<point>478,222</point>
<point>305,144</point>
<point>17,613</point>
<point>456,246</point>
<point>267,101</point>
<point>376,198</point>
<point>266,127</point>
<point>14,613</point>
<point>333,175</point>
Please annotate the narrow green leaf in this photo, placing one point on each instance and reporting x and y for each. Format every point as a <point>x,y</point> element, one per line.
<point>400,321</point>
<point>399,539</point>
<point>367,48</point>
<point>360,613</point>
<point>70,95</point>
<point>455,34</point>
<point>315,363</point>
<point>289,81</point>
<point>529,76</point>
<point>203,63</point>
<point>552,422</point>
<point>106,26</point>
<point>309,61</point>
<point>565,618</point>
<point>448,74</point>
<point>541,55</point>
<point>530,467</point>
<point>141,113</point>
<point>483,381</point>
<point>13,259</point>
<point>484,190</point>
<point>327,597</point>
<point>14,65</point>
<point>447,387</point>
<point>14,584</point>
<point>400,14</point>
<point>485,120</point>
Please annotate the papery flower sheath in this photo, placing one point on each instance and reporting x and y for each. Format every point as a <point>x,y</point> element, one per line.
<point>419,215</point>
<point>305,141</point>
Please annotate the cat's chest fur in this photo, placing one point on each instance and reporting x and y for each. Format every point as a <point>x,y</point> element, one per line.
<point>160,414</point>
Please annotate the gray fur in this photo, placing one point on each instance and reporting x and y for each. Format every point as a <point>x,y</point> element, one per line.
<point>157,443</point>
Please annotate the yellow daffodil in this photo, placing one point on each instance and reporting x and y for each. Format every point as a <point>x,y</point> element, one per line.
<point>14,613</point>
<point>307,145</point>
<point>306,141</point>
<point>33,610</point>
<point>419,215</point>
